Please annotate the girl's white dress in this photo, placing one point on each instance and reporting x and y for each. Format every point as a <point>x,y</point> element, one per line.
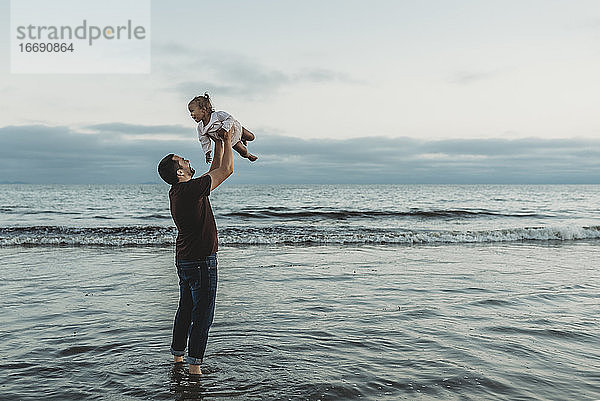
<point>218,119</point>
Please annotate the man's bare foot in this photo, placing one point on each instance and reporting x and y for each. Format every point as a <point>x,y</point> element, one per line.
<point>177,359</point>
<point>251,157</point>
<point>195,370</point>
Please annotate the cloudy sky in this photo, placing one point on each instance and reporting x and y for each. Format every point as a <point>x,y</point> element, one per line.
<point>388,91</point>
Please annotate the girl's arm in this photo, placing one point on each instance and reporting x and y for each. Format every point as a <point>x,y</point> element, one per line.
<point>205,142</point>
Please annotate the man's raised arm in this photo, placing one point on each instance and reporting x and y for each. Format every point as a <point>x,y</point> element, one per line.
<point>225,167</point>
<point>216,162</point>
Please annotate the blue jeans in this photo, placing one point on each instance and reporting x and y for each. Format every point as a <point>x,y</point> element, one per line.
<point>197,293</point>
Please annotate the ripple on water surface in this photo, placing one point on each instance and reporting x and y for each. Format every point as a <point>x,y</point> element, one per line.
<point>329,323</point>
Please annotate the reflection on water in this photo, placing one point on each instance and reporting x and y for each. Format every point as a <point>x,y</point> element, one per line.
<point>496,321</point>
<point>185,386</point>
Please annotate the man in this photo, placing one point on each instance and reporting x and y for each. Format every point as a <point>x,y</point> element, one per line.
<point>196,248</point>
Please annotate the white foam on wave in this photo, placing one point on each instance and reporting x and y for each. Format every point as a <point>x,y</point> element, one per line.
<point>517,234</point>
<point>298,236</point>
<point>422,237</point>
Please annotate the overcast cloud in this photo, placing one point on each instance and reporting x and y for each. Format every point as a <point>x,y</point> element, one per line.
<point>234,75</point>
<point>428,70</point>
<point>126,153</point>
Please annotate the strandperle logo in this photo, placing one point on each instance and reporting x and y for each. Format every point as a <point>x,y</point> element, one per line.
<point>84,31</point>
<point>80,37</point>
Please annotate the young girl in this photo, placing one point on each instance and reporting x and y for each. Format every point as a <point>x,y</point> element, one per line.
<point>213,123</point>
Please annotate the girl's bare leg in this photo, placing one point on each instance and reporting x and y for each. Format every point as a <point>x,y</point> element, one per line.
<point>246,136</point>
<point>243,151</point>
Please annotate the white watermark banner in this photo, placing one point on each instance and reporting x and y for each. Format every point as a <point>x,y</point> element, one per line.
<point>80,36</point>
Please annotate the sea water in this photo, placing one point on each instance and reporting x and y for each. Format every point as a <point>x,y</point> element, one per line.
<point>326,292</point>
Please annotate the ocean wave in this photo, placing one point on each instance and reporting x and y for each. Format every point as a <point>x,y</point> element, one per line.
<point>16,210</point>
<point>346,214</point>
<point>299,235</point>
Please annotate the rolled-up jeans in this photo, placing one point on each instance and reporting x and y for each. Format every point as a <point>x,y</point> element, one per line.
<point>197,293</point>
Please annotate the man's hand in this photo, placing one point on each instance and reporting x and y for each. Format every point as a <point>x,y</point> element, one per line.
<point>208,157</point>
<point>227,135</point>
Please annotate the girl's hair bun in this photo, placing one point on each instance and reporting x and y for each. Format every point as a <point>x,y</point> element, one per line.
<point>203,101</point>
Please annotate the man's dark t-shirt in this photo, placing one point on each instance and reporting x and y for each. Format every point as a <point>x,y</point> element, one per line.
<point>193,216</point>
